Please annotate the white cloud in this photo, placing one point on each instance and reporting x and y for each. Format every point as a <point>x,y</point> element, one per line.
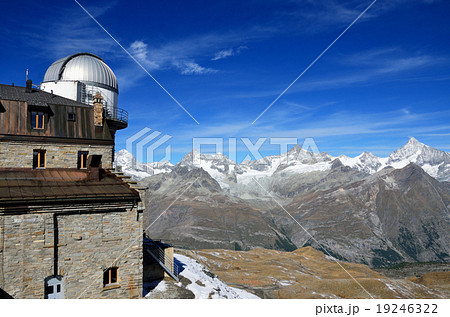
<point>228,52</point>
<point>223,54</point>
<point>191,68</point>
<point>156,59</point>
<point>170,56</point>
<point>139,50</point>
<point>187,54</point>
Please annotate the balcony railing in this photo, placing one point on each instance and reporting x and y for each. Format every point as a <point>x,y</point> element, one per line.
<point>117,114</point>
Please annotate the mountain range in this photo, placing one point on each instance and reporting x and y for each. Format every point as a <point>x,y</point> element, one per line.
<point>366,209</point>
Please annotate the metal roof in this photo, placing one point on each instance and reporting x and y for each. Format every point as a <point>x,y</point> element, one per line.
<point>36,97</point>
<point>19,186</point>
<point>84,67</point>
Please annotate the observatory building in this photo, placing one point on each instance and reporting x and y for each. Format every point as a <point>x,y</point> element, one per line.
<point>79,77</point>
<point>70,225</point>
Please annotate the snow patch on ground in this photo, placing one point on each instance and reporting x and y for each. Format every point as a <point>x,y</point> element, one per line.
<point>285,283</point>
<point>203,285</point>
<point>161,287</point>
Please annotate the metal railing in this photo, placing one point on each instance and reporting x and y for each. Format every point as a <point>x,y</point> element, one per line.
<point>166,262</point>
<point>117,114</point>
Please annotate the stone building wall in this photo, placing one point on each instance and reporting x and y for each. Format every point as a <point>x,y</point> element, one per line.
<point>16,154</point>
<point>88,244</point>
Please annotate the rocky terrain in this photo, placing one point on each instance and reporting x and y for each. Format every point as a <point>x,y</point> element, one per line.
<point>392,216</point>
<point>308,273</point>
<point>303,273</point>
<point>369,210</point>
<point>203,216</point>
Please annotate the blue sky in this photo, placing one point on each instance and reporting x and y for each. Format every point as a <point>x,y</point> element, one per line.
<point>387,78</point>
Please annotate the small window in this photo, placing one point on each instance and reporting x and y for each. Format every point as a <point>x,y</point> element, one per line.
<point>39,158</point>
<point>49,290</point>
<point>82,159</point>
<point>37,120</point>
<point>53,287</point>
<point>71,116</point>
<point>110,276</point>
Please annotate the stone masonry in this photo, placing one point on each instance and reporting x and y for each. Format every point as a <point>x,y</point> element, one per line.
<point>98,110</point>
<point>88,243</point>
<point>16,154</point>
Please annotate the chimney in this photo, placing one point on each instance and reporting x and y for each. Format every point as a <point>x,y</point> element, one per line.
<point>98,110</point>
<point>29,88</point>
<point>94,165</point>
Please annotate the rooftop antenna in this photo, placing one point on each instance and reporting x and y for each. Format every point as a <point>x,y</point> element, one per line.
<point>27,74</point>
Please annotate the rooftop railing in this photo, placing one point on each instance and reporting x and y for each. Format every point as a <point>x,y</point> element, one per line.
<point>117,114</point>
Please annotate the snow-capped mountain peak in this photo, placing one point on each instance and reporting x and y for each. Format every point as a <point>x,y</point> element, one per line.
<point>131,167</point>
<point>125,159</point>
<point>296,161</point>
<point>435,162</point>
<point>411,149</point>
<point>197,159</point>
<point>430,159</point>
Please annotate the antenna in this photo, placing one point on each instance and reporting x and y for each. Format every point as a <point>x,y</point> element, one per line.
<point>27,74</point>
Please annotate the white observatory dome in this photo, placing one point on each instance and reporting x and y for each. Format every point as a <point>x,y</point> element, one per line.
<point>84,67</point>
<point>79,77</point>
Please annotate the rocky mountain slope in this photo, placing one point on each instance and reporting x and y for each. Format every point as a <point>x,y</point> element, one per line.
<point>376,211</point>
<point>392,216</point>
<point>203,216</point>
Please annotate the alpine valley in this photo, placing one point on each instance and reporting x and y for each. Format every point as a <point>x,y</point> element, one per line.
<point>367,209</point>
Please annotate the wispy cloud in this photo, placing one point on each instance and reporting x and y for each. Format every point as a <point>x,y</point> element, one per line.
<point>361,68</point>
<point>166,58</point>
<point>371,66</point>
<point>322,15</point>
<point>228,52</point>
<point>333,124</point>
<point>191,68</point>
<point>190,54</point>
<point>342,125</point>
<point>139,50</point>
<point>71,31</point>
<point>390,60</point>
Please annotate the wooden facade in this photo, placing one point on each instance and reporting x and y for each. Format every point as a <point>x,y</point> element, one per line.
<point>60,122</point>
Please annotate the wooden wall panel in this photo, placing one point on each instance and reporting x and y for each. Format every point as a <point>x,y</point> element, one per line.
<point>16,121</point>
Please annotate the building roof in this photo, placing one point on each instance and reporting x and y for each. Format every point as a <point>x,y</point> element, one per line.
<point>84,67</point>
<point>21,186</point>
<point>36,97</point>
